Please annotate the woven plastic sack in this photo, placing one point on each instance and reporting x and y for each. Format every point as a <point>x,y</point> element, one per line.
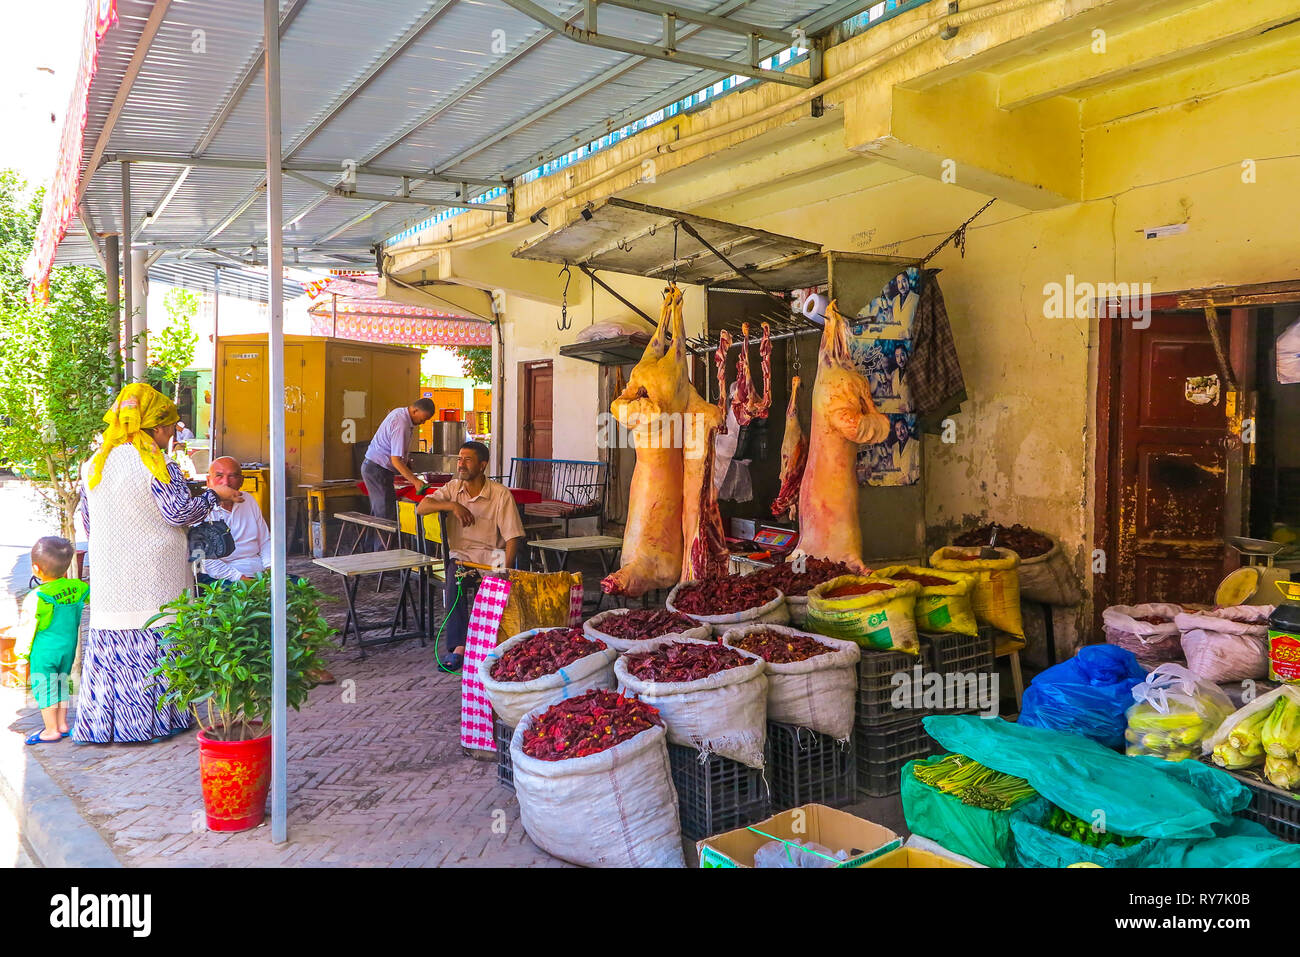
<point>1086,695</point>
<point>774,612</point>
<point>878,619</point>
<point>1173,712</point>
<point>1226,644</point>
<point>1152,642</point>
<point>1049,578</point>
<point>975,832</point>
<point>615,808</point>
<point>940,608</point>
<point>996,598</point>
<point>538,600</point>
<point>511,700</point>
<point>725,713</point>
<point>591,627</point>
<point>817,693</point>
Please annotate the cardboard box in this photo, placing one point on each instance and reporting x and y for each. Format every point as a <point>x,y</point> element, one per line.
<point>911,857</point>
<point>812,822</point>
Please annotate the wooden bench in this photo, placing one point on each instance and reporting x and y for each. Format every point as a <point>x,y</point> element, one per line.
<point>570,489</point>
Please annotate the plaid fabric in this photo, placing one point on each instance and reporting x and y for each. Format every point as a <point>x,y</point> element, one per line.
<point>933,375</point>
<point>480,641</point>
<point>575,604</point>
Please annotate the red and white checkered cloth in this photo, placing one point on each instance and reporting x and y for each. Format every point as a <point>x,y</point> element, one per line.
<point>480,641</point>
<point>575,605</point>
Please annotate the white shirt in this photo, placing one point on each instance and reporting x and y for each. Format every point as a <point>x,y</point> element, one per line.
<point>252,552</point>
<point>391,438</point>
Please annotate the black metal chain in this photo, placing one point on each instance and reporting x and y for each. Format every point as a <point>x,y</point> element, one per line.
<point>957,236</point>
<point>564,323</point>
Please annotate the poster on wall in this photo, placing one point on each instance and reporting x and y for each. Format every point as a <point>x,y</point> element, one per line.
<point>880,342</point>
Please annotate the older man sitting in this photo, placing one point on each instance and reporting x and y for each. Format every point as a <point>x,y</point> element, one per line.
<point>252,554</point>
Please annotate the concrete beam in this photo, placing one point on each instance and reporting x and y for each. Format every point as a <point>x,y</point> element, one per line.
<point>1112,56</point>
<point>957,134</point>
<point>488,267</point>
<point>447,297</point>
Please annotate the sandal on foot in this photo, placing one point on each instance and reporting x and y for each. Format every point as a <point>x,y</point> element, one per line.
<point>35,738</point>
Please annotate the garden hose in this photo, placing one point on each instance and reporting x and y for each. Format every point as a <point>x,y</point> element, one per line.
<point>437,641</point>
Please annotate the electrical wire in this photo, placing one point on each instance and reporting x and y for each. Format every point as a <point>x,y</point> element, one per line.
<point>437,641</point>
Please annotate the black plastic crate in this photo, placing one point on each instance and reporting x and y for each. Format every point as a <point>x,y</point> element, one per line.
<point>950,654</point>
<point>876,672</point>
<point>501,735</point>
<point>1274,808</point>
<point>716,794</point>
<point>807,767</point>
<point>881,753</point>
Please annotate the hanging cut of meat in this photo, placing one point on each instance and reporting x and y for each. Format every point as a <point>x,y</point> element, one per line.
<point>657,389</point>
<point>843,417</point>
<point>747,404</point>
<point>704,552</point>
<point>794,456</point>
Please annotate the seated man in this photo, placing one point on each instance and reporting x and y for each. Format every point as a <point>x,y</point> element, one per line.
<point>252,554</point>
<point>485,529</point>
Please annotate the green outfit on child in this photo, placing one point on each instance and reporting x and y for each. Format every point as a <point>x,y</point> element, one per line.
<point>56,607</point>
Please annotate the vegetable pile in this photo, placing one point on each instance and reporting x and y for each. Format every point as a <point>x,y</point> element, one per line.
<point>682,661</point>
<point>543,654</point>
<point>848,591</point>
<point>1021,539</point>
<point>724,595</point>
<point>642,623</point>
<point>1271,737</point>
<point>780,648</point>
<point>587,724</point>
<point>925,581</point>
<point>1063,822</point>
<point>1175,736</point>
<point>816,571</point>
<point>974,784</point>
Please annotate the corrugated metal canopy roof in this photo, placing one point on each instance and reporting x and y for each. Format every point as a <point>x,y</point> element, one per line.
<point>468,89</point>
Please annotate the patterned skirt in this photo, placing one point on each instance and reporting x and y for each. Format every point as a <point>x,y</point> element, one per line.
<point>118,697</point>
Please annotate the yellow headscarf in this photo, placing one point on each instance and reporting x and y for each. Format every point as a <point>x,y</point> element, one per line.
<point>138,407</point>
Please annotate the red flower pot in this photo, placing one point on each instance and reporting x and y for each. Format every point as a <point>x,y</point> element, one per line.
<point>236,776</point>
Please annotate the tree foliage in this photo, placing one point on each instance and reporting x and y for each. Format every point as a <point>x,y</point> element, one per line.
<point>172,350</point>
<point>56,361</point>
<point>476,361</point>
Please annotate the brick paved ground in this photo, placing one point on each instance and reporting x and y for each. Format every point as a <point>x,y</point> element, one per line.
<point>381,781</point>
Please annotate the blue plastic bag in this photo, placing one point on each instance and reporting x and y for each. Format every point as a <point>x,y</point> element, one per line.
<point>1086,695</point>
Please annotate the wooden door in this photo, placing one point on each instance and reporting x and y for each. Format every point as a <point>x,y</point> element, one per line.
<point>1170,480</point>
<point>538,410</point>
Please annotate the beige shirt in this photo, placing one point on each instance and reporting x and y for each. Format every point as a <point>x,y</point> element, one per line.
<point>496,521</point>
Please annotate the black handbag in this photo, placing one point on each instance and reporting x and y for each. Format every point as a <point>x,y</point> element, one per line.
<point>210,540</point>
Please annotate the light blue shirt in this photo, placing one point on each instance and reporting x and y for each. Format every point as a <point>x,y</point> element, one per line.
<point>391,438</point>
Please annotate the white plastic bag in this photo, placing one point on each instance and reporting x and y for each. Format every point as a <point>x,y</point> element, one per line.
<point>1288,354</point>
<point>797,853</point>
<point>592,628</point>
<point>775,612</point>
<point>725,713</point>
<point>1226,644</point>
<point>1173,713</point>
<point>615,808</point>
<point>817,693</point>
<point>1151,642</point>
<point>511,700</point>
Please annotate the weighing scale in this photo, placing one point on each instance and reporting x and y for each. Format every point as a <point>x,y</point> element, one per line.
<point>1255,578</point>
<point>769,544</point>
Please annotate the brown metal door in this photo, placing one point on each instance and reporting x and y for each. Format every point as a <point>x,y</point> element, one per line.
<point>1173,463</point>
<point>538,410</point>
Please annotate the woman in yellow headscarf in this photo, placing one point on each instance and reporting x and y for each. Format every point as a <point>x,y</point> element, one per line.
<point>136,507</point>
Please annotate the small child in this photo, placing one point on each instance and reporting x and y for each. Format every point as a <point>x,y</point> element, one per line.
<point>51,627</point>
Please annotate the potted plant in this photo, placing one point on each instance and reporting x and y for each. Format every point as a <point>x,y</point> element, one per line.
<point>215,662</point>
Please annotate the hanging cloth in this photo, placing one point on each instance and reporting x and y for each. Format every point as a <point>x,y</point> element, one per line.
<point>933,377</point>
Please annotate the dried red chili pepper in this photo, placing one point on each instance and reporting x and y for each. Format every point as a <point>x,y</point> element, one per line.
<point>925,581</point>
<point>543,654</point>
<point>725,595</point>
<point>1021,539</point>
<point>816,571</point>
<point>778,647</point>
<point>866,588</point>
<point>642,623</point>
<point>588,724</point>
<point>682,661</point>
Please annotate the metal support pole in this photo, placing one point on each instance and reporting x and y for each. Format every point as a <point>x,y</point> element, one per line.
<point>216,372</point>
<point>275,253</point>
<point>128,319</point>
<point>140,298</point>
<point>113,285</point>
